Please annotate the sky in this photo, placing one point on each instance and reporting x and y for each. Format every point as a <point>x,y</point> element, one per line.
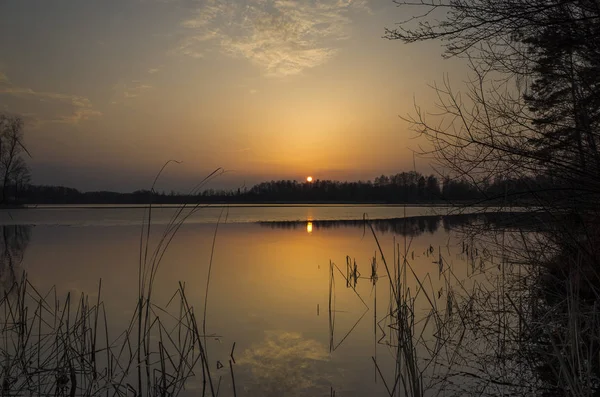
<point>110,90</point>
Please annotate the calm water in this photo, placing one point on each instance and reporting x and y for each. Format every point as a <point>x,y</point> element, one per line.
<point>132,215</point>
<point>269,289</point>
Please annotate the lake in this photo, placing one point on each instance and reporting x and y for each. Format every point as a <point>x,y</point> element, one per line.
<point>299,298</point>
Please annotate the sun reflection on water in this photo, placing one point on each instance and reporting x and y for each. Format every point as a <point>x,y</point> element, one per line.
<point>309,227</point>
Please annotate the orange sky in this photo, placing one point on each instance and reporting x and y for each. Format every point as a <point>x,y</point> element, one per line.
<point>267,89</point>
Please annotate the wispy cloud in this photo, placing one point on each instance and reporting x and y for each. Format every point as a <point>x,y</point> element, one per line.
<point>127,91</point>
<point>153,70</point>
<point>284,37</point>
<point>46,107</point>
<point>286,361</point>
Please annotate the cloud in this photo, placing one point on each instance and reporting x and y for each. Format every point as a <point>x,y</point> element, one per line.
<point>284,37</point>
<point>127,91</point>
<point>153,70</point>
<point>77,116</point>
<point>46,107</point>
<point>285,363</point>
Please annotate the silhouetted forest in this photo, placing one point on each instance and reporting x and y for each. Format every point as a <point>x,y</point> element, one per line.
<point>405,187</point>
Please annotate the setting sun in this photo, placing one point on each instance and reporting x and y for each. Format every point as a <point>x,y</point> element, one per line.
<point>309,179</point>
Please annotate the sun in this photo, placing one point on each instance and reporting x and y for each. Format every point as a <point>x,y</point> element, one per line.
<point>309,227</point>
<point>309,179</point>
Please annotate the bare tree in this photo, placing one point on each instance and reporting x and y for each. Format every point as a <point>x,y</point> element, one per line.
<point>533,103</point>
<point>13,168</point>
<point>20,175</point>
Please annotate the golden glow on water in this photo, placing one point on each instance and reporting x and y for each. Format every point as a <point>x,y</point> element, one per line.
<point>309,227</point>
<point>269,290</point>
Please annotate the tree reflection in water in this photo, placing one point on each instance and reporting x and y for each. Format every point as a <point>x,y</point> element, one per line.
<point>15,239</point>
<point>412,226</point>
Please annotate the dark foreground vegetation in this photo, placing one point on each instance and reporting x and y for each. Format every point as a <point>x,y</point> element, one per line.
<point>530,325</point>
<point>57,345</point>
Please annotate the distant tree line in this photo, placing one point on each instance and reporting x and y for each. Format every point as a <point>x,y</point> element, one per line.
<point>405,187</point>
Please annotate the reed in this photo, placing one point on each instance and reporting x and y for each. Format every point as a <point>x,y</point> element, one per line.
<point>62,347</point>
<point>524,322</point>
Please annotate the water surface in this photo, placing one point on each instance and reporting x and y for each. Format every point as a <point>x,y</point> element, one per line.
<point>270,287</point>
<point>108,215</point>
